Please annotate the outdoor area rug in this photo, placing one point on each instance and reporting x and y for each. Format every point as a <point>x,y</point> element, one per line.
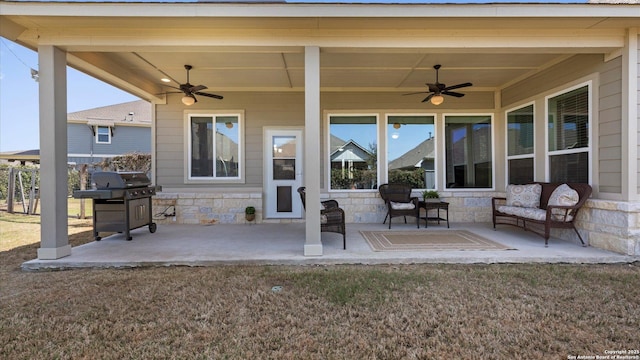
<point>425,240</point>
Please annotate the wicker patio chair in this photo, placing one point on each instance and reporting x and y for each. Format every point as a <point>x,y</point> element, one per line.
<point>397,198</point>
<point>331,217</point>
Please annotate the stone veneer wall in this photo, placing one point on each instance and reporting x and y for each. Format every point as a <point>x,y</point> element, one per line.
<point>610,225</point>
<point>360,207</point>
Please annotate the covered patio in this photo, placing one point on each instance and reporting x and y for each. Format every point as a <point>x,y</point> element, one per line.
<point>281,244</point>
<point>301,71</point>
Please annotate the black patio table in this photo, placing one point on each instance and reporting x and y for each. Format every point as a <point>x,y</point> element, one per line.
<point>434,205</point>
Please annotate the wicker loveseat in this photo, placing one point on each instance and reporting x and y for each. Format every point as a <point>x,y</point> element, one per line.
<point>539,203</point>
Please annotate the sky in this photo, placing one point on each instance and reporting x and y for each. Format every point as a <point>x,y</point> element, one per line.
<point>19,92</point>
<point>19,96</point>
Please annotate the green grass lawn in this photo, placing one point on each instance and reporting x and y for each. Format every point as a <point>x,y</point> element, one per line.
<point>19,229</point>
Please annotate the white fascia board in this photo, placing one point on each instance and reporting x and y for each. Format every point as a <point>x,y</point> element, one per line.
<point>320,10</point>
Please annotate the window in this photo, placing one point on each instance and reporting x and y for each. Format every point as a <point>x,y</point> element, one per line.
<point>103,135</point>
<point>520,148</point>
<point>411,150</point>
<point>568,136</point>
<point>214,146</point>
<point>469,153</point>
<point>353,151</point>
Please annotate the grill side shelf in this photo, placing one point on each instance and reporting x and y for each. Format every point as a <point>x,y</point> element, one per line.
<point>93,194</point>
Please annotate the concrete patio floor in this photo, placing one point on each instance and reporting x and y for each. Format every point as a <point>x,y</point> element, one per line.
<point>282,244</point>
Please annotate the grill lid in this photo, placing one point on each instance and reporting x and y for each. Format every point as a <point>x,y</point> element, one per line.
<point>119,180</point>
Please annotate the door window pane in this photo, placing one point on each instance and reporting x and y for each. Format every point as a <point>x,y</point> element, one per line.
<point>284,169</point>
<point>353,152</point>
<point>411,150</point>
<point>469,151</point>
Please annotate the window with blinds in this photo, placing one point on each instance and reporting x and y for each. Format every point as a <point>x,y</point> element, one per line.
<point>568,135</point>
<point>520,145</point>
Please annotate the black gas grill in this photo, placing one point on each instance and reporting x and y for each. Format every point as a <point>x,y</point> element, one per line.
<point>121,202</point>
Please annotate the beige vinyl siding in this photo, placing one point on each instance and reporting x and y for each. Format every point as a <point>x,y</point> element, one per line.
<point>609,127</point>
<point>559,75</point>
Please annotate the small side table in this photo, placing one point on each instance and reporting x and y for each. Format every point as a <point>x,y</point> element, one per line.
<point>432,205</point>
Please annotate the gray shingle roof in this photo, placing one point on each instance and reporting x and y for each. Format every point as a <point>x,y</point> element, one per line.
<point>133,112</point>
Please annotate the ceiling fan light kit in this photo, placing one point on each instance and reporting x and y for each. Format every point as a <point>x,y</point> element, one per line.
<point>188,100</point>
<point>437,99</point>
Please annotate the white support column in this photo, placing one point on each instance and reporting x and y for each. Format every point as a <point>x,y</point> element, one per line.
<point>54,239</point>
<point>630,119</point>
<point>313,243</point>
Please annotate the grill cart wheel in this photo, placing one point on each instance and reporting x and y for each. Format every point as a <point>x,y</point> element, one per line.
<point>152,227</point>
<point>98,238</point>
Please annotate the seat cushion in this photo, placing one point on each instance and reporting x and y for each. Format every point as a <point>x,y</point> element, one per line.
<point>529,213</point>
<point>402,206</point>
<point>527,196</point>
<point>563,195</point>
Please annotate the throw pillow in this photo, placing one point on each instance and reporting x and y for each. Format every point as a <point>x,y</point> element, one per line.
<point>563,195</point>
<point>524,195</point>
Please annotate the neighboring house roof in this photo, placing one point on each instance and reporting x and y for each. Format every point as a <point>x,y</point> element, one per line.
<point>26,155</point>
<point>414,157</point>
<point>133,113</point>
<point>349,150</point>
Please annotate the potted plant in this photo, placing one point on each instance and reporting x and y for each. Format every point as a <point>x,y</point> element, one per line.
<point>250,213</point>
<point>430,196</point>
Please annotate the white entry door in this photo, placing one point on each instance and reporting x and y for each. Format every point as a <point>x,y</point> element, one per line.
<point>283,172</point>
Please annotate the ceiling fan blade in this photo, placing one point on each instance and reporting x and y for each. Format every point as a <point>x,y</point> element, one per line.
<point>428,98</point>
<point>419,92</point>
<point>453,87</point>
<point>220,97</point>
<point>173,87</point>
<point>451,93</point>
<point>197,88</point>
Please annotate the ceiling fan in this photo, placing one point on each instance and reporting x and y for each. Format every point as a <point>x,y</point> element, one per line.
<point>437,89</point>
<point>190,91</point>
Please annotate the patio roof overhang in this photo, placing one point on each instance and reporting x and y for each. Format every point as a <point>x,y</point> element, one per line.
<point>364,47</point>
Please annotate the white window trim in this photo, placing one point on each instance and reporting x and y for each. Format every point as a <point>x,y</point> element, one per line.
<point>493,153</point>
<point>98,134</point>
<point>588,149</point>
<point>532,155</point>
<point>385,173</point>
<point>327,126</point>
<point>188,179</point>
